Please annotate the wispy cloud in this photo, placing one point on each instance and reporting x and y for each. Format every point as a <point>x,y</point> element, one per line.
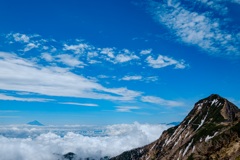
<point>146,51</point>
<point>25,75</point>
<point>20,37</point>
<point>161,101</point>
<point>92,54</point>
<point>118,57</point>
<point>151,78</point>
<point>126,108</point>
<point>121,58</point>
<point>66,59</point>
<point>164,61</point>
<point>69,60</point>
<point>139,78</point>
<point>131,78</point>
<point>195,27</point>
<point>103,76</point>
<point>53,71</point>
<point>27,40</point>
<point>13,98</point>
<point>108,51</point>
<point>30,46</point>
<point>80,104</point>
<point>47,57</point>
<point>78,53</point>
<point>78,48</point>
<point>217,5</point>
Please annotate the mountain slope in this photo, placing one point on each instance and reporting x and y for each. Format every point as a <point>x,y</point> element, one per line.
<point>210,131</point>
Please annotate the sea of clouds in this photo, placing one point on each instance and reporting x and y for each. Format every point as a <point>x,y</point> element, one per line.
<point>25,142</point>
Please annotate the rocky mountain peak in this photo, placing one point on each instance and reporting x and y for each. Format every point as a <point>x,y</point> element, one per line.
<point>213,109</point>
<point>211,129</point>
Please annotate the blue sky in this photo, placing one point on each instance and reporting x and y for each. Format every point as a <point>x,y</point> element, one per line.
<point>106,62</point>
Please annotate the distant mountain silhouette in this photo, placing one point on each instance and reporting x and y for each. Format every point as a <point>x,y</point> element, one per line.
<point>174,123</point>
<point>35,123</point>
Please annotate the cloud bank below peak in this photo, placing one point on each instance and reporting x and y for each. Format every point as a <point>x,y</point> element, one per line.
<point>50,143</point>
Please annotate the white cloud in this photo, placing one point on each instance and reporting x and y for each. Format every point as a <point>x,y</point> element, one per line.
<point>161,101</point>
<point>147,51</point>
<point>20,37</point>
<point>48,143</point>
<point>13,98</point>
<point>94,62</point>
<point>125,56</point>
<point>116,57</point>
<point>69,60</point>
<point>47,57</point>
<point>108,51</point>
<point>126,93</point>
<point>19,74</point>
<point>152,78</point>
<point>92,54</point>
<point>126,108</point>
<point>140,78</point>
<point>66,59</point>
<point>121,58</point>
<point>89,54</point>
<point>196,28</point>
<point>30,46</point>
<point>80,104</point>
<point>218,5</point>
<point>103,76</point>
<point>164,61</point>
<point>29,41</point>
<point>77,49</point>
<point>58,69</point>
<point>130,78</point>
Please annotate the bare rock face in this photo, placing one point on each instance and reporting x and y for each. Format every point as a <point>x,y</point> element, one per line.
<point>211,131</point>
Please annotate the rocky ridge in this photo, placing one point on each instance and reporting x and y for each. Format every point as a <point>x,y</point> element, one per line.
<point>210,131</point>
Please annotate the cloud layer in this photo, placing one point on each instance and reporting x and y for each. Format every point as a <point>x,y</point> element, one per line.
<point>46,67</point>
<point>25,75</point>
<point>70,53</point>
<point>160,101</point>
<point>164,61</point>
<point>49,142</point>
<point>201,26</point>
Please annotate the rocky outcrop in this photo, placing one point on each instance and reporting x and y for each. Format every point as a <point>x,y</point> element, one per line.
<point>210,131</point>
